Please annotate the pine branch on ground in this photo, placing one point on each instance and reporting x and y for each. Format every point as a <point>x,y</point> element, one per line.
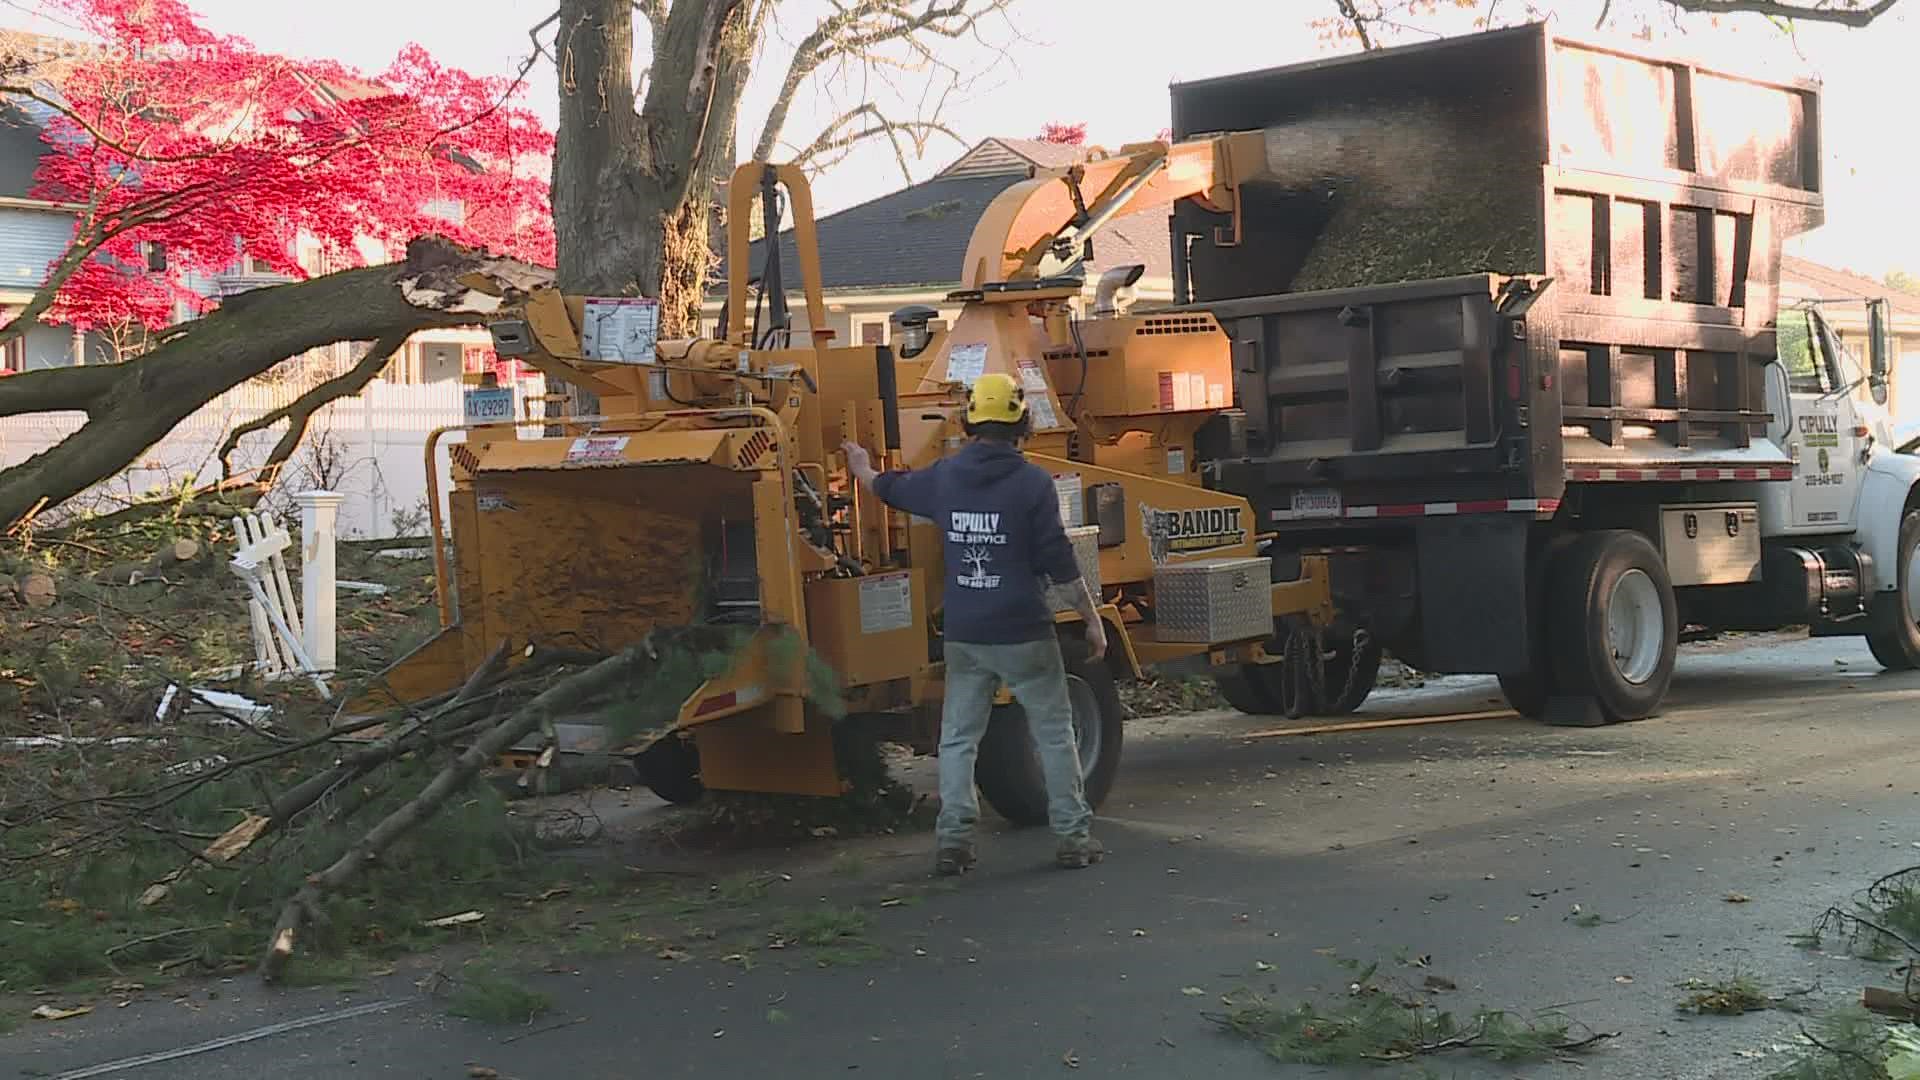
<point>1376,1024</point>
<point>1853,1044</point>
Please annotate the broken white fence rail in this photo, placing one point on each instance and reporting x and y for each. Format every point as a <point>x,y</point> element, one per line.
<point>259,562</point>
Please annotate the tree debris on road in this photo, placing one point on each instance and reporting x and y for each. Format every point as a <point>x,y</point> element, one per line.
<point>1380,1021</point>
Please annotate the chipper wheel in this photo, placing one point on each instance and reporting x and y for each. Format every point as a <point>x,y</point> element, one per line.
<point>1008,769</point>
<point>671,768</point>
<point>1246,688</point>
<point>1349,668</point>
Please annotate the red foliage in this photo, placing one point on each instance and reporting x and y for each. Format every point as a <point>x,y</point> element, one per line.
<point>175,135</point>
<point>1064,134</point>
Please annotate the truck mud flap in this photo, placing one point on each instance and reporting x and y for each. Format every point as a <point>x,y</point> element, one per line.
<point>1473,594</point>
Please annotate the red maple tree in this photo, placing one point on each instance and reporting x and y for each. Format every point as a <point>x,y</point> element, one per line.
<point>185,149</point>
<point>1064,134</point>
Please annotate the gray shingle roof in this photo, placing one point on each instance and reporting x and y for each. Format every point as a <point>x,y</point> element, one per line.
<point>917,236</point>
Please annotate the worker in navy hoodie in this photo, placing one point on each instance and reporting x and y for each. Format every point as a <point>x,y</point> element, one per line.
<point>1003,535</point>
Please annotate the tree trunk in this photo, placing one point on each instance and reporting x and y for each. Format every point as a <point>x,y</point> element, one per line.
<point>132,406</point>
<point>606,209</point>
<point>630,189</point>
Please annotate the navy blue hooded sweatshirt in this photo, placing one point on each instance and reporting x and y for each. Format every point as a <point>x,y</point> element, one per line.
<point>1003,532</point>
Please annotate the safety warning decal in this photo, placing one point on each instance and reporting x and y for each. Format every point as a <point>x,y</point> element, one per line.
<point>966,363</point>
<point>596,450</point>
<point>1067,489</point>
<point>886,603</point>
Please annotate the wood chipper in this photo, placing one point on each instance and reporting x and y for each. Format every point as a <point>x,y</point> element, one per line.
<point>709,488</point>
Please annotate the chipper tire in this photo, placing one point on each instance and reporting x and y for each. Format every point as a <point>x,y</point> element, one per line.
<point>1346,682</point>
<point>670,768</point>
<point>1614,624</point>
<point>1893,619</point>
<point>1008,768</point>
<point>1246,689</point>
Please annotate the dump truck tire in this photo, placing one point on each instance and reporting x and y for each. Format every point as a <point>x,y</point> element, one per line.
<point>1615,624</point>
<point>1245,690</point>
<point>670,768</point>
<point>1893,627</point>
<point>1008,768</point>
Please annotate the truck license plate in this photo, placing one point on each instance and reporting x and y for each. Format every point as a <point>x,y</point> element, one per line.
<point>1316,503</point>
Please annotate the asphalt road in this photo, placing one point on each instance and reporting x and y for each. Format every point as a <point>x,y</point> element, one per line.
<point>1783,772</point>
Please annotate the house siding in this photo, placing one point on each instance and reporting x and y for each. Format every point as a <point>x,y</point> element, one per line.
<point>29,241</point>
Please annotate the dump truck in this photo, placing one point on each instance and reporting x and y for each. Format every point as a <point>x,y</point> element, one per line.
<point>1509,356</point>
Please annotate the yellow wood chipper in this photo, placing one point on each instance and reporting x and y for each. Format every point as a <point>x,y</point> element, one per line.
<point>709,487</point>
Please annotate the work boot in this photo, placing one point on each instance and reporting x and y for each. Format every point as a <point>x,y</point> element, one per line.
<point>1078,854</point>
<point>952,861</point>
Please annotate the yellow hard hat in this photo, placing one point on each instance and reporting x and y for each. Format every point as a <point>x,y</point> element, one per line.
<point>996,398</point>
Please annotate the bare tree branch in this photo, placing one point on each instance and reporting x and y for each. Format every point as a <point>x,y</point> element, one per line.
<point>1842,12</point>
<point>1356,20</point>
<point>1365,19</point>
<point>836,138</point>
<point>299,412</point>
<point>857,31</point>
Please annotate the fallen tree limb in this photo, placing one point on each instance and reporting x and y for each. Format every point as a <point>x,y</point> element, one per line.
<point>467,704</point>
<point>304,907</point>
<point>131,406</point>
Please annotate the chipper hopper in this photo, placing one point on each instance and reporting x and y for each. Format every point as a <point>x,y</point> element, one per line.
<point>709,489</point>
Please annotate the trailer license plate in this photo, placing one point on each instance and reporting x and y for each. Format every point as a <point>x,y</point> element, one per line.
<point>1316,503</point>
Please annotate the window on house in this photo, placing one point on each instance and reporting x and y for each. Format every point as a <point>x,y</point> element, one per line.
<point>477,360</point>
<point>14,357</point>
<point>872,332</point>
<point>446,210</point>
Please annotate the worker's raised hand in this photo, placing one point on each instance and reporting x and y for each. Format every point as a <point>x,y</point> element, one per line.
<point>858,460</point>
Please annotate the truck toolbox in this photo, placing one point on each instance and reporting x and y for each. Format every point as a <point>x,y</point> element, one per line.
<point>1501,258</point>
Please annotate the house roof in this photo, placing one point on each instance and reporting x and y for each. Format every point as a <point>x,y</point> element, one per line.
<point>39,56</point>
<point>998,155</point>
<point>1802,279</point>
<point>917,236</point>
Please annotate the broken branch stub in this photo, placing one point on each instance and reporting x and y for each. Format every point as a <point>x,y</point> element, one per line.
<point>38,590</point>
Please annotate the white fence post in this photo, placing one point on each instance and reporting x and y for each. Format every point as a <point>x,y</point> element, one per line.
<point>318,574</point>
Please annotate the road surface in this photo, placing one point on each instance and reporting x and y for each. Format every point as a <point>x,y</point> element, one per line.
<point>1783,772</point>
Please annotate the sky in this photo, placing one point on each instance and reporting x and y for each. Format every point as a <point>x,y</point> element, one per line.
<point>1108,63</point>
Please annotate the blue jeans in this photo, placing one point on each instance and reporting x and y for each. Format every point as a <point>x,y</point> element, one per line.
<point>1037,678</point>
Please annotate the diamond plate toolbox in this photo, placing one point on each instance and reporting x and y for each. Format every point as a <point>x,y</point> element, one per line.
<point>1086,552</point>
<point>1210,600</point>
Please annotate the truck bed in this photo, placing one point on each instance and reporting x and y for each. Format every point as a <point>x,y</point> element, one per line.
<point>1569,276</point>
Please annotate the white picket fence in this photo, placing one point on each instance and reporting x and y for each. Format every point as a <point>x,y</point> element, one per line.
<point>370,448</point>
